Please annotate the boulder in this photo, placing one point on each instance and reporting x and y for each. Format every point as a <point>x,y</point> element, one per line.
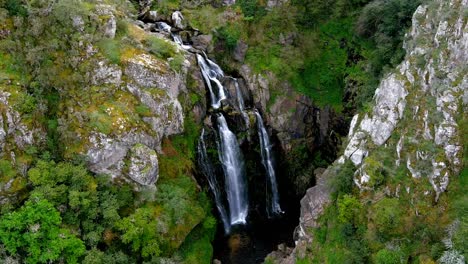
<point>143,167</point>
<point>203,42</point>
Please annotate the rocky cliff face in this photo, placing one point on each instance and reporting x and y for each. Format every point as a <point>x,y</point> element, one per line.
<point>414,125</point>
<point>139,105</point>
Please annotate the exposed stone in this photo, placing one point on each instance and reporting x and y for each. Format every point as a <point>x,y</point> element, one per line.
<point>110,27</point>
<point>12,126</point>
<point>106,154</point>
<point>168,119</point>
<point>177,19</point>
<point>78,23</point>
<point>106,74</point>
<point>240,51</point>
<point>312,206</point>
<point>147,71</point>
<point>143,166</point>
<point>443,80</point>
<point>203,42</point>
<point>275,3</point>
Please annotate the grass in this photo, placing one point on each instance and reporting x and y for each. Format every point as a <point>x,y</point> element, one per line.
<point>110,48</point>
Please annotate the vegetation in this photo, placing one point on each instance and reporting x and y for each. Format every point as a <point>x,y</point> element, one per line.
<point>53,208</point>
<point>56,210</point>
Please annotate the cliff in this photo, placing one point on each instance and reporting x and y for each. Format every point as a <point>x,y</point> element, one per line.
<point>407,150</point>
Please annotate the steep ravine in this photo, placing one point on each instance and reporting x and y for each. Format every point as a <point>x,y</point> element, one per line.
<point>293,122</point>
<point>416,122</point>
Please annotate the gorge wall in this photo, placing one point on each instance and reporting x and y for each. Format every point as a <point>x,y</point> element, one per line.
<point>105,114</point>
<point>408,147</point>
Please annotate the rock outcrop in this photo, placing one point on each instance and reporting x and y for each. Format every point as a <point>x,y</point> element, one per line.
<point>424,91</point>
<point>414,118</point>
<point>132,104</point>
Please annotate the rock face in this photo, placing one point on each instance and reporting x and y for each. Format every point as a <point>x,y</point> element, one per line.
<point>424,92</point>
<point>14,133</point>
<point>415,113</point>
<point>143,166</point>
<point>291,115</point>
<point>133,105</point>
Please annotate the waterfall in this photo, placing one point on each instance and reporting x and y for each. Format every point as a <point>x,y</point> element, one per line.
<point>178,40</point>
<point>241,104</point>
<point>273,206</point>
<point>212,74</point>
<point>231,158</point>
<point>209,172</point>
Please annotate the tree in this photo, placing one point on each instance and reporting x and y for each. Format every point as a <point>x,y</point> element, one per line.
<point>141,230</point>
<point>34,231</point>
<point>349,209</point>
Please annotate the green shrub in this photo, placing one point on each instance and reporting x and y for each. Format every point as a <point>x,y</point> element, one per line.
<point>14,7</point>
<point>385,256</point>
<point>143,110</point>
<point>160,47</point>
<point>343,183</point>
<point>349,209</point>
<point>35,231</point>
<point>251,9</point>
<point>230,36</point>
<point>26,104</point>
<point>388,216</point>
<point>177,62</point>
<point>111,49</point>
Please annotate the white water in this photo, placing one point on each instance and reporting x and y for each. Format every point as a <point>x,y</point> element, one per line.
<point>273,206</point>
<point>234,172</point>
<point>212,75</point>
<point>241,104</point>
<point>178,40</point>
<point>209,172</point>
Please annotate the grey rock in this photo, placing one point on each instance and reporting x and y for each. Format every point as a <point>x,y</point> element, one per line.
<point>110,27</point>
<point>203,42</point>
<point>229,2</point>
<point>78,23</point>
<point>149,72</point>
<point>177,19</point>
<point>107,154</point>
<point>275,3</point>
<point>106,74</point>
<point>143,167</point>
<point>240,51</point>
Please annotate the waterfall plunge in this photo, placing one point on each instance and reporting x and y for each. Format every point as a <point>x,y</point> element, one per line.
<point>231,158</point>
<point>273,206</point>
<point>209,172</point>
<point>212,74</point>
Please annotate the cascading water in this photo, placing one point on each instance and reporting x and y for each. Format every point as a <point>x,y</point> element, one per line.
<point>273,206</point>
<point>231,158</point>
<point>241,104</point>
<point>212,74</point>
<point>209,172</point>
<point>241,245</point>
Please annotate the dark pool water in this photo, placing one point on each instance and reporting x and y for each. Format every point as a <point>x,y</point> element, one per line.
<point>250,244</point>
